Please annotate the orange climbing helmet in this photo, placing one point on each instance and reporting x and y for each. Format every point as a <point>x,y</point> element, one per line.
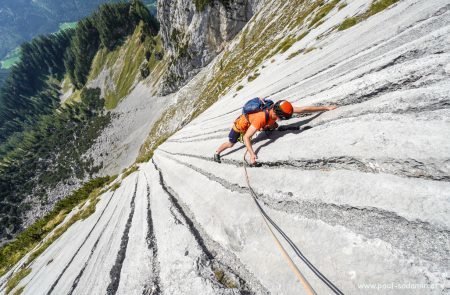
<point>283,109</point>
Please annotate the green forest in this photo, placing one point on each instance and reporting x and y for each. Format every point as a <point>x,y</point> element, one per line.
<point>20,21</point>
<point>41,141</point>
<point>3,75</point>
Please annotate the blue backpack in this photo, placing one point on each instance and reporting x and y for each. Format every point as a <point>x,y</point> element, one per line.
<point>257,105</point>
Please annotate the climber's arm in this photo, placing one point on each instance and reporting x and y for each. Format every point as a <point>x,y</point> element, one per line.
<point>248,143</point>
<point>312,109</point>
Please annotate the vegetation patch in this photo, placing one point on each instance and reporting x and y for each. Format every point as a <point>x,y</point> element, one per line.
<point>150,145</point>
<point>348,23</point>
<point>379,5</point>
<point>294,54</point>
<point>31,165</point>
<point>153,56</point>
<point>253,77</point>
<point>12,252</point>
<point>125,76</point>
<point>16,278</point>
<point>305,9</point>
<point>115,186</point>
<point>200,5</point>
<point>130,170</point>
<point>375,7</point>
<point>323,12</point>
<point>66,85</point>
<point>11,59</point>
<point>342,5</point>
<point>286,44</point>
<point>223,278</point>
<point>126,64</point>
<point>108,28</point>
<point>19,291</point>
<point>100,60</point>
<point>309,49</point>
<point>75,97</point>
<point>27,93</point>
<point>302,35</point>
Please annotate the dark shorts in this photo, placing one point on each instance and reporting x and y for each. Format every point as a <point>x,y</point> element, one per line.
<point>233,136</point>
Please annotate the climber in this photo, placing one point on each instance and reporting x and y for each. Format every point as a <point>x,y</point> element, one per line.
<point>263,119</point>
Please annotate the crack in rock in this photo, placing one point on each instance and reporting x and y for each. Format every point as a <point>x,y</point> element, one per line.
<point>410,168</point>
<point>403,84</point>
<point>174,215</point>
<point>155,288</point>
<point>79,248</point>
<point>80,274</point>
<point>418,237</point>
<point>117,267</point>
<point>438,105</point>
<point>216,262</point>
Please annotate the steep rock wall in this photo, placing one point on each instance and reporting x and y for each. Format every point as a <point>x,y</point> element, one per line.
<point>193,36</point>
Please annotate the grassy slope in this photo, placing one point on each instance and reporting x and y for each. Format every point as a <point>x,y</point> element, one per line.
<point>375,7</point>
<point>11,59</point>
<point>123,66</point>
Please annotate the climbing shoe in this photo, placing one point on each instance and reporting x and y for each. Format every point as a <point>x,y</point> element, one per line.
<point>217,158</point>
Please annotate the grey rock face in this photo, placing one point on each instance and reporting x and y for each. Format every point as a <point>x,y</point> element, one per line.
<point>193,38</point>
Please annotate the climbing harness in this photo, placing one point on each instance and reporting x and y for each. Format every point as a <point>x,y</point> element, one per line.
<point>306,285</point>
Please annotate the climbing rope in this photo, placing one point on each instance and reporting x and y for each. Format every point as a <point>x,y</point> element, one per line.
<point>267,220</point>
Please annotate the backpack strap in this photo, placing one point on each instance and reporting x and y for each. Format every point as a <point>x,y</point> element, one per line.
<point>267,116</point>
<point>248,120</point>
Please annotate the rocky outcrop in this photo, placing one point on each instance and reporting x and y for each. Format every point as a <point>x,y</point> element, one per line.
<point>194,35</point>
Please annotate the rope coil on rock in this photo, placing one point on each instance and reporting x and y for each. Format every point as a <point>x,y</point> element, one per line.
<point>306,285</point>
